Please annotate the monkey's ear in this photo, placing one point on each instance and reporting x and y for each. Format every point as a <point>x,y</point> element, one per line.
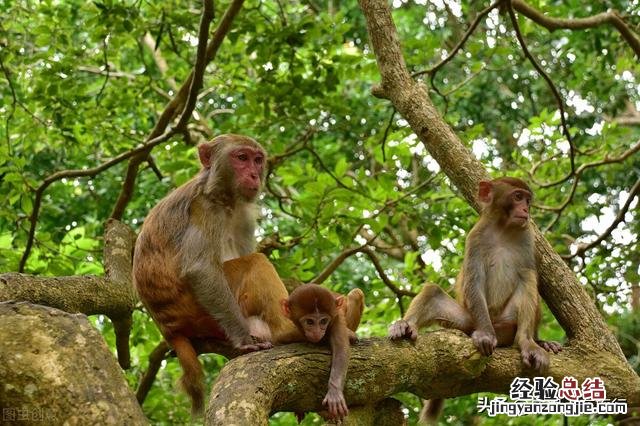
<point>485,191</point>
<point>286,308</point>
<point>204,152</point>
<point>339,301</point>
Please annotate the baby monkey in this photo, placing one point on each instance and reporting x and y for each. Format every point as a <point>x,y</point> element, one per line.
<point>323,316</point>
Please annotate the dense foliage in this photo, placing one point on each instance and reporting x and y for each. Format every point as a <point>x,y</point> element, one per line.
<point>82,82</point>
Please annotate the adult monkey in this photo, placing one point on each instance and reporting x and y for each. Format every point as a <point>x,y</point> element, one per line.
<point>178,258</point>
<point>498,302</point>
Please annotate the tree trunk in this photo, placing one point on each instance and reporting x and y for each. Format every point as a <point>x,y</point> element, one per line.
<point>56,369</point>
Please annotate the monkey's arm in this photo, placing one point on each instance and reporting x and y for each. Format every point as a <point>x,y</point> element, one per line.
<point>526,300</point>
<point>211,289</point>
<point>339,341</point>
<point>290,335</point>
<point>473,287</point>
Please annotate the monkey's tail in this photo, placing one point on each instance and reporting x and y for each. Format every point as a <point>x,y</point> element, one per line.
<point>431,411</point>
<point>192,380</point>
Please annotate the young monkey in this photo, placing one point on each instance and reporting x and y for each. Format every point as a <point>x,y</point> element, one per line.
<point>320,316</point>
<point>497,288</point>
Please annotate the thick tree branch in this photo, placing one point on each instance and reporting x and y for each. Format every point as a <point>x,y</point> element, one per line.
<point>439,364</point>
<point>58,364</point>
<point>111,295</point>
<point>610,17</point>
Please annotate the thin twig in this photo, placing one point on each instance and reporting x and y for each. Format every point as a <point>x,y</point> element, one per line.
<point>619,218</point>
<point>552,87</point>
<point>33,218</point>
<point>611,17</point>
<point>200,65</point>
<point>484,12</point>
<point>173,108</point>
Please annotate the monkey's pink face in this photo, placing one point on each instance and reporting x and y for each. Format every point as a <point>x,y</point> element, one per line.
<point>315,326</point>
<point>248,165</point>
<point>520,201</point>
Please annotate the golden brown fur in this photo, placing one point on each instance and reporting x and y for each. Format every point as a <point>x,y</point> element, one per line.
<point>497,291</point>
<point>186,237</point>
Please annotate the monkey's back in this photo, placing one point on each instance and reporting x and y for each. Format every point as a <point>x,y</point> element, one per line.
<point>169,298</point>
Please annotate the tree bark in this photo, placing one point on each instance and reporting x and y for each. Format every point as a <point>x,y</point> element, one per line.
<point>111,295</point>
<point>57,369</point>
<point>439,364</point>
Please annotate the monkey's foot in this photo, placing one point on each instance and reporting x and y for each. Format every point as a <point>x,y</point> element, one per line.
<point>353,337</point>
<point>402,328</point>
<point>255,346</point>
<point>550,346</point>
<point>484,341</point>
<point>535,357</point>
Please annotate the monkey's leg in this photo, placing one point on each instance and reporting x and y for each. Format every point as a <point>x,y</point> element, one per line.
<point>525,297</point>
<point>430,306</point>
<point>260,295</point>
<point>549,346</point>
<point>355,307</point>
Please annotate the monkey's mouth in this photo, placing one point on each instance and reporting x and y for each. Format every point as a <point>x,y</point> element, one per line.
<point>250,193</point>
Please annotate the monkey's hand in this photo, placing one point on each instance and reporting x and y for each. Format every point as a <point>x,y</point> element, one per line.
<point>402,328</point>
<point>554,347</point>
<point>253,344</point>
<point>484,341</point>
<point>535,357</point>
<point>335,403</point>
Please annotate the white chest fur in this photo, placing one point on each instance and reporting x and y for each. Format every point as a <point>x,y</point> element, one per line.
<point>238,233</point>
<point>503,267</point>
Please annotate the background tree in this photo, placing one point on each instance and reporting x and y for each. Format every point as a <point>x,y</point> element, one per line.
<point>354,198</point>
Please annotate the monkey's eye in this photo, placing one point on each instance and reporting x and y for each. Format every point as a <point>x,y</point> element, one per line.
<point>518,196</point>
<point>259,160</point>
<point>324,321</point>
<point>308,321</point>
<point>243,157</point>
